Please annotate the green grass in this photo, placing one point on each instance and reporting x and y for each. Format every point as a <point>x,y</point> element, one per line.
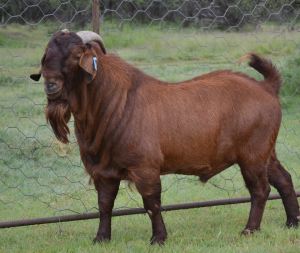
<point>41,177</point>
<point>214,229</point>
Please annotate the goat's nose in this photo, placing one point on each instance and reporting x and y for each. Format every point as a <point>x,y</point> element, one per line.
<point>50,86</point>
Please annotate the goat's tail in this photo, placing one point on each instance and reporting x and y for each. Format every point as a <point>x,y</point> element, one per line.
<point>272,82</point>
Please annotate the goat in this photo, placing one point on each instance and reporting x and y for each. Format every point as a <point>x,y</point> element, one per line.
<point>131,126</point>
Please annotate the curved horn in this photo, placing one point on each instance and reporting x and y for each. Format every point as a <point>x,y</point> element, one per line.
<point>88,36</point>
<point>65,31</point>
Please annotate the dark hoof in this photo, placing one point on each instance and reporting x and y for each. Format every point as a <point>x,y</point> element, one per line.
<point>248,231</point>
<point>100,239</point>
<point>292,223</point>
<point>159,239</point>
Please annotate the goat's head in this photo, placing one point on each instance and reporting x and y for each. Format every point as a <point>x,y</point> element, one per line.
<point>68,62</point>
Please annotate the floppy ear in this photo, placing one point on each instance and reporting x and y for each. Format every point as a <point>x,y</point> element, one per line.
<point>36,77</point>
<point>87,64</point>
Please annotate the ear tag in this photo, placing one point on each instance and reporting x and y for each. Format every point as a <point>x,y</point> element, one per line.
<point>95,64</point>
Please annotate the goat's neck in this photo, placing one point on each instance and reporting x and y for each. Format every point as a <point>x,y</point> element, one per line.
<point>97,109</point>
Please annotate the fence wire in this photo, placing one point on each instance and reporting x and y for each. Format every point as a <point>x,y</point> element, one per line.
<point>171,40</point>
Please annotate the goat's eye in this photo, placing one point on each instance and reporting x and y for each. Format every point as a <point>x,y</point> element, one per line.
<point>77,58</point>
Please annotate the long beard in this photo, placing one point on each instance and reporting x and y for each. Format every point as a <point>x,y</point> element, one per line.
<point>58,114</point>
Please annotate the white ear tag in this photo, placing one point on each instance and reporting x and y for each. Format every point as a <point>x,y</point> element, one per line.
<point>95,64</point>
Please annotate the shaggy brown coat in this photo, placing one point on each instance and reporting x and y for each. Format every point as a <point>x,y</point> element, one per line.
<point>131,126</point>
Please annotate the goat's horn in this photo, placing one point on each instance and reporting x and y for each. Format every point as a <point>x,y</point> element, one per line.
<point>65,31</point>
<point>88,36</point>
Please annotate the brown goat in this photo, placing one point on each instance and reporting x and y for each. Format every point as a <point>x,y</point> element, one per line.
<point>130,126</point>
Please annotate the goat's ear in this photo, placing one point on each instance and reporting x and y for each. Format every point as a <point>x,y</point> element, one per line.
<point>36,77</point>
<point>87,64</point>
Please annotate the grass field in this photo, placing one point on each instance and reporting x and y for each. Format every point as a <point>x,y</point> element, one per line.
<point>41,177</point>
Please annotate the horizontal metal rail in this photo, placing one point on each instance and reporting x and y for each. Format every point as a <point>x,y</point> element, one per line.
<point>130,211</point>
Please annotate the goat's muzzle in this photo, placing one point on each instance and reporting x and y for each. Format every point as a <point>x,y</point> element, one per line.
<point>53,88</point>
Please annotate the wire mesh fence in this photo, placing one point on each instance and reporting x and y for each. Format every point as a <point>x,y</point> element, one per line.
<point>171,40</point>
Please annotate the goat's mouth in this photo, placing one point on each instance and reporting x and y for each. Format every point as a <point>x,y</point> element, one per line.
<point>53,96</point>
<point>53,90</point>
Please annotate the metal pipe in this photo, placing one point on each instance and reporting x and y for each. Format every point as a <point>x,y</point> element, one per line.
<point>130,211</point>
<point>96,16</point>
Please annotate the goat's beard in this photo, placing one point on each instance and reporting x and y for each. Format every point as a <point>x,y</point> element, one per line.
<point>58,114</point>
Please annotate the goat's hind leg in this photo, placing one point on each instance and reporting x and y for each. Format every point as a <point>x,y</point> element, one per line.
<point>282,181</point>
<point>256,180</point>
<point>107,192</point>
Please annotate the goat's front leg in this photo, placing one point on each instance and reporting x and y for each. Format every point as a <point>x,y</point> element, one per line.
<point>149,186</point>
<point>107,192</point>
<point>153,207</point>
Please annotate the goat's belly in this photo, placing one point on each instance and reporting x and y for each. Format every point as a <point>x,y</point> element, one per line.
<point>186,169</point>
<point>204,172</point>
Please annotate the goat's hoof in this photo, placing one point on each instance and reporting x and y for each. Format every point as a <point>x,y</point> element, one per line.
<point>101,238</point>
<point>159,239</point>
<point>292,223</point>
<point>248,231</point>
